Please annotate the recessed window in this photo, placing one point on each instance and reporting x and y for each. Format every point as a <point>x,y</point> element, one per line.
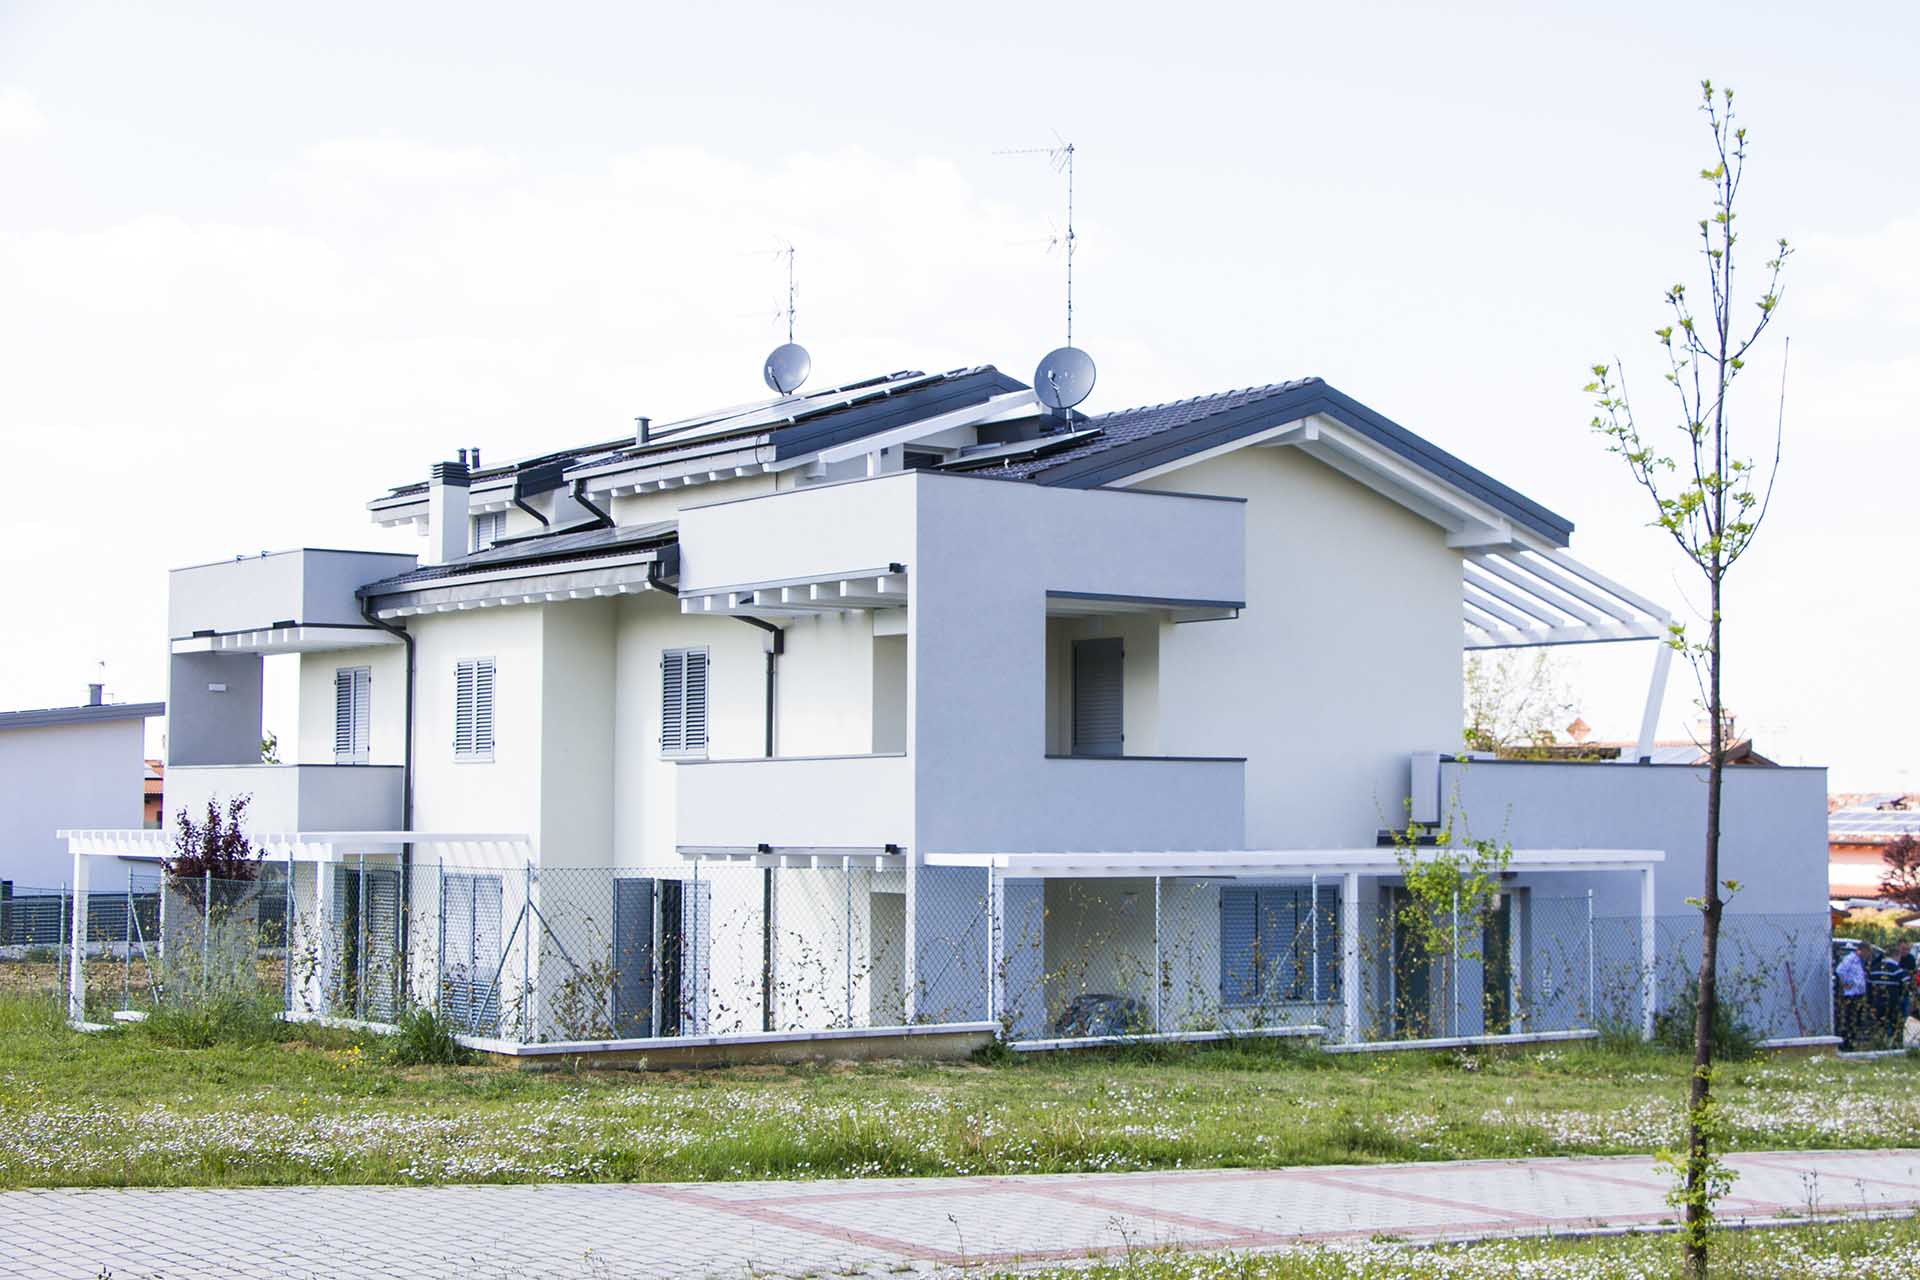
<point>473,709</point>
<point>488,528</point>
<point>683,702</point>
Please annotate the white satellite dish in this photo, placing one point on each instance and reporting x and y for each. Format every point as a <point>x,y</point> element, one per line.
<point>1064,378</point>
<point>788,367</point>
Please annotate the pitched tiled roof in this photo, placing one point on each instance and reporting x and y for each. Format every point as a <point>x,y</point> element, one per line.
<point>1130,426</point>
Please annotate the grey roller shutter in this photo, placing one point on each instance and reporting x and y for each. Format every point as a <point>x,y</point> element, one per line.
<point>1098,683</point>
<point>633,957</point>
<point>470,950</point>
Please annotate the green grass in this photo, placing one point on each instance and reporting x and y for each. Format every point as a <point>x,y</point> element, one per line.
<point>153,1105</point>
<point>1829,1251</point>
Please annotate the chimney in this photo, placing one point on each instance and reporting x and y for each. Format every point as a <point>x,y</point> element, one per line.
<point>643,428</point>
<point>475,451</point>
<point>95,693</point>
<point>448,536</point>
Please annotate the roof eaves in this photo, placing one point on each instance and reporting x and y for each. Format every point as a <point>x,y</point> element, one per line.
<point>1296,401</point>
<point>102,713</point>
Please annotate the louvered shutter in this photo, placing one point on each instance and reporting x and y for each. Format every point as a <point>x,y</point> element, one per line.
<point>1098,681</point>
<point>483,706</point>
<point>1239,945</point>
<point>1283,931</point>
<point>342,716</point>
<point>673,702</point>
<point>695,720</point>
<point>463,680</point>
<point>683,702</point>
<point>352,712</point>
<point>1328,911</point>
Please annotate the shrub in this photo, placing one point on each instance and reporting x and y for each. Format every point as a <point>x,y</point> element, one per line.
<point>1734,1038</point>
<point>248,1019</point>
<point>426,1037</point>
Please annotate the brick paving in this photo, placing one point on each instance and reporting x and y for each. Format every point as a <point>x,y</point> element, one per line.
<point>872,1227</point>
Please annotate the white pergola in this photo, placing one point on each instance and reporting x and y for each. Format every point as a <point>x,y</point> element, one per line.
<point>1346,865</point>
<point>1514,597</point>
<point>287,848</point>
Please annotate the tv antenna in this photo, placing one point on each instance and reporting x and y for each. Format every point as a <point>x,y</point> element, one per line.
<point>1065,375</point>
<point>788,365</point>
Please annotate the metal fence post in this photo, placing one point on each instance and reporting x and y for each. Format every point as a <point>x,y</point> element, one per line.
<point>206,929</point>
<point>126,963</point>
<point>1313,898</point>
<point>1456,962</point>
<point>440,935</point>
<point>1159,973</point>
<point>846,867</point>
<point>360,942</point>
<point>286,930</point>
<point>1593,1009</point>
<point>526,956</point>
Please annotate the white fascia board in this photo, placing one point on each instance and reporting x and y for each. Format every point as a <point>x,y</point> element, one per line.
<point>1250,863</point>
<point>994,407</point>
<point>1471,522</point>
<point>673,470</point>
<point>298,639</point>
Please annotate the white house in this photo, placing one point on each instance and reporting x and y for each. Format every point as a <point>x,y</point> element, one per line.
<point>911,700</point>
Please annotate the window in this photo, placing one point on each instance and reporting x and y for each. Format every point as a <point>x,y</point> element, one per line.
<point>473,709</point>
<point>683,702</point>
<point>352,708</point>
<point>488,528</point>
<point>1277,943</point>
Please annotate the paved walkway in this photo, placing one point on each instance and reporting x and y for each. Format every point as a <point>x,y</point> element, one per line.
<point>871,1227</point>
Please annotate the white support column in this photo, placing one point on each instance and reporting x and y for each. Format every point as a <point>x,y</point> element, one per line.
<point>1649,987</point>
<point>324,942</point>
<point>1656,695</point>
<point>910,961</point>
<point>1350,953</point>
<point>1159,972</point>
<point>76,963</point>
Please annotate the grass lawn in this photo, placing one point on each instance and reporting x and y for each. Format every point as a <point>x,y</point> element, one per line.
<point>131,1108</point>
<point>1828,1251</point>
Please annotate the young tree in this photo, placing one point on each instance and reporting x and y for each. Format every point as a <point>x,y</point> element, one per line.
<point>1516,700</point>
<point>1900,882</point>
<point>1712,501</point>
<point>216,848</point>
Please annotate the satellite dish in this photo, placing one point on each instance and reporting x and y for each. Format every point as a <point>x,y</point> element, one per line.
<point>1064,378</point>
<point>788,367</point>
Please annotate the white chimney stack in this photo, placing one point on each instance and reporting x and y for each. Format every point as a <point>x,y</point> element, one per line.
<point>448,536</point>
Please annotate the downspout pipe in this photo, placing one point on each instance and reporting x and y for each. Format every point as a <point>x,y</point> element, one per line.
<point>601,519</point>
<point>520,498</point>
<point>406,795</point>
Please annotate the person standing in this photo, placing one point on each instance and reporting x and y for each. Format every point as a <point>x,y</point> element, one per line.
<point>1852,973</point>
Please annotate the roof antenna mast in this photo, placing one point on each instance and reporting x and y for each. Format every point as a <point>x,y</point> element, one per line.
<point>788,366</point>
<point>1065,376</point>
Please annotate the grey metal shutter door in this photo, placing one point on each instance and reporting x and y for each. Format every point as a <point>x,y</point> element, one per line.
<point>382,998</point>
<point>471,948</point>
<point>633,957</point>
<point>1239,941</point>
<point>1098,682</point>
<point>1327,909</point>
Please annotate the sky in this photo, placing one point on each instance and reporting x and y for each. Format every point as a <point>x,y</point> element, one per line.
<point>259,263</point>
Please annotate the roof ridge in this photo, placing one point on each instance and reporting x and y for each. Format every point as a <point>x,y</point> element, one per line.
<point>1274,388</point>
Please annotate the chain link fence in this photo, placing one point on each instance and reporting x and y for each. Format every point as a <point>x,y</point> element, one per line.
<point>528,954</point>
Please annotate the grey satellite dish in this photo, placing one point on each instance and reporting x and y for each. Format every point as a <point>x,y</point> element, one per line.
<point>1064,378</point>
<point>788,367</point>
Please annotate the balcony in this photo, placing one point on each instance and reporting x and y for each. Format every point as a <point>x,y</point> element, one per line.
<point>292,797</point>
<point>282,602</point>
<point>821,802</point>
<point>1131,803</point>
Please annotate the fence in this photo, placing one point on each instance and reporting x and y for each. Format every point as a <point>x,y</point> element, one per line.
<point>531,954</point>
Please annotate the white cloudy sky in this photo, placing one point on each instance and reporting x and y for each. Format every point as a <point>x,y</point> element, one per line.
<point>259,262</point>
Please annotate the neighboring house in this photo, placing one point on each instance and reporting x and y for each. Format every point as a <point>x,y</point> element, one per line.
<point>924,685</point>
<point>155,793</point>
<point>67,767</point>
<point>1859,828</point>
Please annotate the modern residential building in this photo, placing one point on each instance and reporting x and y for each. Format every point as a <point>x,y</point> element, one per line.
<point>912,700</point>
<point>67,767</point>
<point>1859,829</point>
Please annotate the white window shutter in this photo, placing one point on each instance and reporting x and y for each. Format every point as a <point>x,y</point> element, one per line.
<point>343,716</point>
<point>673,667</point>
<point>695,720</point>
<point>463,682</point>
<point>483,706</point>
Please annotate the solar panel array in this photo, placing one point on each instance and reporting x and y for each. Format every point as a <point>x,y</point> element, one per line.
<point>1874,822</point>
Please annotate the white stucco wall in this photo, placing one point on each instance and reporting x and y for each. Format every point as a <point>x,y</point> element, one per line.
<point>1345,660</point>
<point>65,775</point>
<point>386,731</point>
<point>502,795</point>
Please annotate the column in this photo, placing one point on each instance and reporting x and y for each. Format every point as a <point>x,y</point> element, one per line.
<point>76,964</point>
<point>1649,986</point>
<point>1350,953</point>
